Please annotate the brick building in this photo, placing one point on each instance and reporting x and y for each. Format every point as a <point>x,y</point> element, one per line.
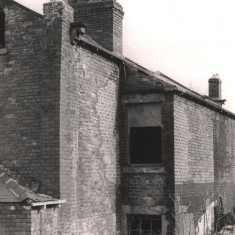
<point>93,143</point>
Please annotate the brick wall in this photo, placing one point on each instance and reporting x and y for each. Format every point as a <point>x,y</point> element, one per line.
<point>103,20</point>
<point>89,140</point>
<point>150,187</point>
<point>193,142</point>
<point>203,157</point>
<point>62,120</point>
<point>29,93</point>
<point>224,159</point>
<point>16,219</point>
<point>45,221</point>
<point>60,124</point>
<point>146,190</point>
<point>17,92</point>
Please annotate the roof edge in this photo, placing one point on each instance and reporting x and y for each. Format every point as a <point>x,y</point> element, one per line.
<point>184,91</point>
<point>22,193</point>
<point>205,101</point>
<point>26,8</point>
<point>48,203</point>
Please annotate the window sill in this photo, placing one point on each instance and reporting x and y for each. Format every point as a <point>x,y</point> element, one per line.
<point>3,51</point>
<point>144,170</point>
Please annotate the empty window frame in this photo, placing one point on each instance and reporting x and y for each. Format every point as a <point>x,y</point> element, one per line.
<point>144,225</point>
<point>2,28</point>
<point>145,134</point>
<point>145,145</point>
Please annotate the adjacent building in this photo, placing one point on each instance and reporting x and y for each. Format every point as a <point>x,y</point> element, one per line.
<point>93,143</point>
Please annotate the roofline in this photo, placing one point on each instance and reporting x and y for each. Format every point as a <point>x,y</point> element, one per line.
<point>189,94</point>
<point>98,49</point>
<point>23,194</point>
<point>26,8</point>
<point>205,101</point>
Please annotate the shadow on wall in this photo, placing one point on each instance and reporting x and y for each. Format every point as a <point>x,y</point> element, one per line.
<point>223,221</point>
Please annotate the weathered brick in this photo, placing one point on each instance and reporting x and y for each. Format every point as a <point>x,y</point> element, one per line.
<point>203,147</point>
<point>64,130</point>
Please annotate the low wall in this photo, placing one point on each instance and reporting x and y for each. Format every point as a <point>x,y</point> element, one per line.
<point>16,219</point>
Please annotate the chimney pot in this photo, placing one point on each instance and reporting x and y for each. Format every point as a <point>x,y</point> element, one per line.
<point>215,89</point>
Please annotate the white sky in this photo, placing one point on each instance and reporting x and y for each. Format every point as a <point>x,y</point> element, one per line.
<point>188,40</point>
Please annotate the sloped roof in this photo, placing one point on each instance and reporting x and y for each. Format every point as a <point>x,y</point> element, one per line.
<point>173,85</point>
<point>87,40</point>
<point>169,84</point>
<point>12,191</point>
<point>23,8</point>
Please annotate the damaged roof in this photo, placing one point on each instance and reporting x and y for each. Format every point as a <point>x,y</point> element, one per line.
<point>12,191</point>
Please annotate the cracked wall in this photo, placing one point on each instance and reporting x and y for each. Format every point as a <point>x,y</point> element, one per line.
<point>89,142</point>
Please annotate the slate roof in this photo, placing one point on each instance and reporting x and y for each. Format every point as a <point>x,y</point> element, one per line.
<point>12,191</point>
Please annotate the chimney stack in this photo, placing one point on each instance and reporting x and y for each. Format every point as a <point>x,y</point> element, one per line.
<point>215,89</point>
<point>103,19</point>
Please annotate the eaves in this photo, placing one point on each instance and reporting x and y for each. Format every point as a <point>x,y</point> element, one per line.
<point>176,88</point>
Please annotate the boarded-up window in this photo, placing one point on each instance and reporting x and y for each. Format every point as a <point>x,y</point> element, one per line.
<point>145,134</point>
<point>2,28</point>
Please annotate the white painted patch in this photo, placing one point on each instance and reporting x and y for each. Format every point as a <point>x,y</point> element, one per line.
<point>206,222</point>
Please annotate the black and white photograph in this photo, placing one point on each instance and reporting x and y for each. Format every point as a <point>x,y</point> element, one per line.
<point>117,117</point>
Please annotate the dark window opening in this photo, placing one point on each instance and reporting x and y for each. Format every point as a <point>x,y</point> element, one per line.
<point>145,225</point>
<point>145,145</point>
<point>2,28</point>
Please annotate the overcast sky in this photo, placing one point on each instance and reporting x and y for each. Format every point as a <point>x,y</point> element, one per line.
<point>188,40</point>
